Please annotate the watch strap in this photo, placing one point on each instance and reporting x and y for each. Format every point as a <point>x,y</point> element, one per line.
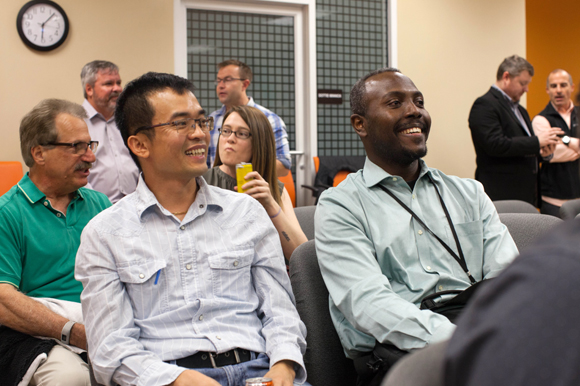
<point>65,333</point>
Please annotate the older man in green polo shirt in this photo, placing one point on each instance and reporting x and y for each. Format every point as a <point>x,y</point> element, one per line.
<point>41,220</point>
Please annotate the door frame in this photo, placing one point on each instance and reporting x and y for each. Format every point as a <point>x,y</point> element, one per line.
<point>303,12</point>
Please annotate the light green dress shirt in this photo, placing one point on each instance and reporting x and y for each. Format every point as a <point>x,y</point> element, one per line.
<point>378,262</point>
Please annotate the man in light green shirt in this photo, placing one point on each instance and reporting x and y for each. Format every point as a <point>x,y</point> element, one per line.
<point>41,220</point>
<point>377,261</point>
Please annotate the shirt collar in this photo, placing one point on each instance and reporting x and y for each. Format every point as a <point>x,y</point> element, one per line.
<point>204,198</point>
<point>91,112</point>
<point>33,194</point>
<point>222,111</point>
<point>374,174</point>
<point>570,108</point>
<point>506,96</point>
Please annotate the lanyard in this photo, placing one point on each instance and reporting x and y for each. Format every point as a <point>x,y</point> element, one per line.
<point>460,259</point>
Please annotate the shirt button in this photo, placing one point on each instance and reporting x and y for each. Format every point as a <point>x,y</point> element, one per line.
<point>58,215</point>
<point>394,178</point>
<point>236,263</point>
<point>420,232</point>
<point>45,203</point>
<point>413,196</point>
<point>201,206</point>
<point>428,268</point>
<point>182,227</point>
<point>440,288</point>
<point>200,317</point>
<point>218,337</point>
<point>188,266</point>
<point>142,276</point>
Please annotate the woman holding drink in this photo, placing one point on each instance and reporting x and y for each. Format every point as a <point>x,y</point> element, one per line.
<point>246,136</point>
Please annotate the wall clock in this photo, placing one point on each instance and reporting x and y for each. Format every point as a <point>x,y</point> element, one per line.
<point>42,25</point>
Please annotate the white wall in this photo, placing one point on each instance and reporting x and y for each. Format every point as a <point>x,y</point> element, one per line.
<point>451,49</point>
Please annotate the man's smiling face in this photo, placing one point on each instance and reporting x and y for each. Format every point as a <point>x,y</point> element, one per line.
<point>396,122</point>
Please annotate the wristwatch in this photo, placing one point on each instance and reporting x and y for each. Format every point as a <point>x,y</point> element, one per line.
<point>566,140</point>
<point>65,334</point>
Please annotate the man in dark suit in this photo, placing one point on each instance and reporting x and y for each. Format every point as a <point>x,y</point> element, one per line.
<point>507,149</point>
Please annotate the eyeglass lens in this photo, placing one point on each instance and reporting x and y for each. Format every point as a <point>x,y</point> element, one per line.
<point>239,134</point>
<point>82,147</point>
<point>205,124</point>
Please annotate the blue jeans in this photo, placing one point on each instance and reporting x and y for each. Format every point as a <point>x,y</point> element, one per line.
<point>236,375</point>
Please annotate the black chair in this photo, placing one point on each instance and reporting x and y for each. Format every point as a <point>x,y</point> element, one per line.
<point>570,209</point>
<point>527,227</point>
<point>305,216</point>
<point>329,167</point>
<point>325,361</point>
<point>514,206</point>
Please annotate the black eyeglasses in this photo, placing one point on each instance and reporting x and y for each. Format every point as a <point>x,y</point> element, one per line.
<point>239,134</point>
<point>80,148</point>
<point>226,80</point>
<point>205,124</point>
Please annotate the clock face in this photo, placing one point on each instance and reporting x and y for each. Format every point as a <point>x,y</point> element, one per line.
<point>42,25</point>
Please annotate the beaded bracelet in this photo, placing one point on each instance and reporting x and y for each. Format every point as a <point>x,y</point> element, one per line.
<point>276,215</point>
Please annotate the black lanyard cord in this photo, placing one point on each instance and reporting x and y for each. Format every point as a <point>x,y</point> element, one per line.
<point>460,259</point>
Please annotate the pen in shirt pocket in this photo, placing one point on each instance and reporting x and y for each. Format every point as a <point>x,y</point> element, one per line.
<point>157,277</point>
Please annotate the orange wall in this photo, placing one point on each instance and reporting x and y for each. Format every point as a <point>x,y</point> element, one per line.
<point>552,41</point>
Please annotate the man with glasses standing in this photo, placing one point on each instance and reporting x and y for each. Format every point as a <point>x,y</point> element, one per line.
<point>233,79</point>
<point>41,220</point>
<point>113,172</point>
<point>184,283</point>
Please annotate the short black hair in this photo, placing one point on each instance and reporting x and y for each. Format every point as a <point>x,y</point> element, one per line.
<point>358,102</point>
<point>133,108</point>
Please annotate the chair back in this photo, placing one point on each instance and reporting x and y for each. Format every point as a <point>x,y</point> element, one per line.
<point>525,228</point>
<point>325,360</point>
<point>10,174</point>
<point>305,215</point>
<point>288,182</point>
<point>514,206</point>
<point>423,367</point>
<point>570,209</point>
<point>332,170</point>
<point>339,177</point>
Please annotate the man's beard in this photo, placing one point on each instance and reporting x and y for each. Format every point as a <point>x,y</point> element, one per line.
<point>396,154</point>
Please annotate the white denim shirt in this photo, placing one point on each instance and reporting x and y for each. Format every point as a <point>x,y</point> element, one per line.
<point>222,284</point>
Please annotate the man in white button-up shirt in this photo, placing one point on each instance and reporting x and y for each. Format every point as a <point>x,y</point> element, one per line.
<point>113,174</point>
<point>184,283</point>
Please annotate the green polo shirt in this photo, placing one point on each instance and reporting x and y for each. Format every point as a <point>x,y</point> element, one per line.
<point>38,244</point>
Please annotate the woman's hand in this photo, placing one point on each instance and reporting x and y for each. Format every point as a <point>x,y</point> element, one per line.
<point>259,189</point>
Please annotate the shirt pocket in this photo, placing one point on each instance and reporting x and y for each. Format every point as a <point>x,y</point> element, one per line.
<point>231,273</point>
<point>470,236</point>
<point>147,291</point>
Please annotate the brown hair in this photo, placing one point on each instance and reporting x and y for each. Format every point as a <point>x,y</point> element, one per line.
<point>244,70</point>
<point>38,127</point>
<point>263,146</point>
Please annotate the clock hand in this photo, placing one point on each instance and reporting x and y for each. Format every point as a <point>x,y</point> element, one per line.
<point>46,21</point>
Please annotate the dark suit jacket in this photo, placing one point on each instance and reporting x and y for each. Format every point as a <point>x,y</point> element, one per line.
<point>507,157</point>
